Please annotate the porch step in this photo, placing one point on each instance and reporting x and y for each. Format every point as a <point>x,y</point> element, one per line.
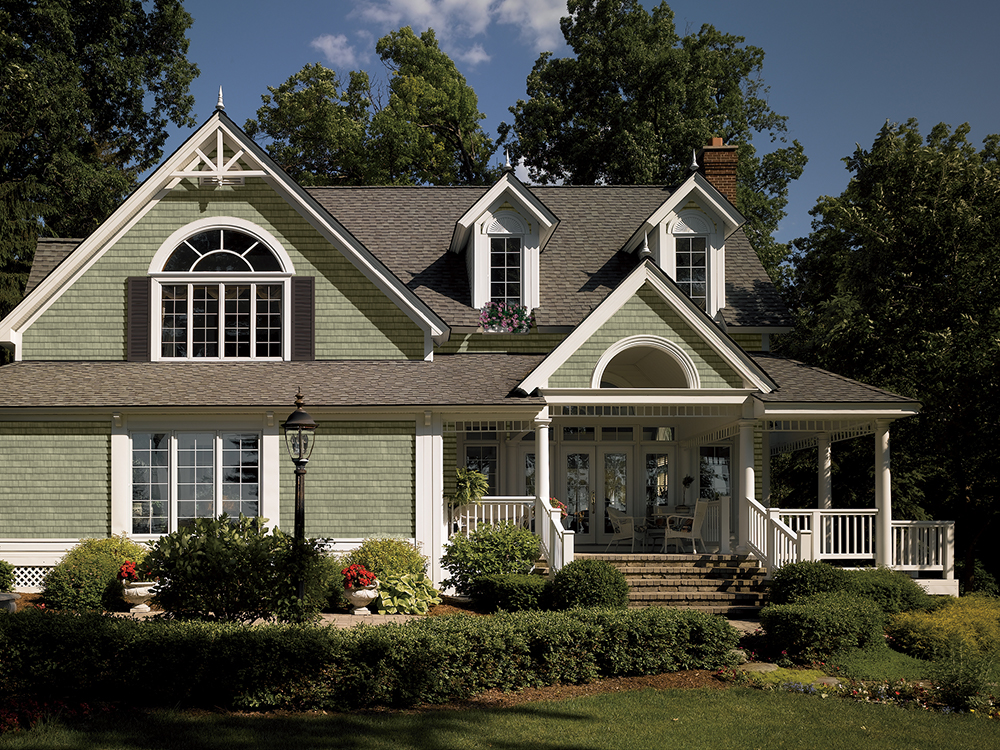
<point>730,585</point>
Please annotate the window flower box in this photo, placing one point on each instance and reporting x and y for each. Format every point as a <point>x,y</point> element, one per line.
<point>505,317</point>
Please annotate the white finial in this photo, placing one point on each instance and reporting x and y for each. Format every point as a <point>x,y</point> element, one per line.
<point>694,160</point>
<point>506,157</point>
<point>219,105</point>
<point>645,252</point>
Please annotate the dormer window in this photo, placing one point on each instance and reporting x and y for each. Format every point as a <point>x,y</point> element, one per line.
<point>221,292</point>
<point>692,268</point>
<point>505,270</point>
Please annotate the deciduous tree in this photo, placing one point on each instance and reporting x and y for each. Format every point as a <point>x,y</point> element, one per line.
<point>428,131</point>
<point>636,99</point>
<point>86,91</point>
<point>898,285</point>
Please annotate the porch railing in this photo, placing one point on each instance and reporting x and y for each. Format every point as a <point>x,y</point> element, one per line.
<point>836,534</point>
<point>924,545</point>
<point>557,543</point>
<point>773,542</point>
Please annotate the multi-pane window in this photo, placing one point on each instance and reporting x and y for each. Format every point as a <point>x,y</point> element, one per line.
<point>178,477</point>
<point>483,458</point>
<point>692,268</point>
<point>221,318</point>
<point>505,269</point>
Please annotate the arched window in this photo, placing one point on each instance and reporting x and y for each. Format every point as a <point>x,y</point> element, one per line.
<point>222,294</point>
<point>645,362</point>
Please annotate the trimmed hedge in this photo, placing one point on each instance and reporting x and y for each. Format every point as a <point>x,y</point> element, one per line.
<point>52,656</point>
<point>589,583</point>
<point>513,592</point>
<point>892,590</point>
<point>818,626</point>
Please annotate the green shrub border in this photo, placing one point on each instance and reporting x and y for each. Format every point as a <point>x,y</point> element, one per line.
<point>154,662</point>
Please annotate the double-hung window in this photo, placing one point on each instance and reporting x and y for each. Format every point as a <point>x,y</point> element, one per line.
<point>222,295</point>
<point>505,270</point>
<point>692,268</point>
<point>181,476</point>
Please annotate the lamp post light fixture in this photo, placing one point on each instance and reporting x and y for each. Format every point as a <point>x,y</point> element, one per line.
<point>300,430</point>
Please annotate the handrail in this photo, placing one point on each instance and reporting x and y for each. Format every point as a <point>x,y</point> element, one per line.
<point>924,545</point>
<point>838,534</point>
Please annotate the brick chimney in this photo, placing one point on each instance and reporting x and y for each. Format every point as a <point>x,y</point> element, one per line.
<point>718,165</point>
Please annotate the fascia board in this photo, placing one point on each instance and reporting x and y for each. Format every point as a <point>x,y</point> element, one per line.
<point>638,396</point>
<point>546,219</point>
<point>800,410</point>
<point>647,273</point>
<point>696,183</point>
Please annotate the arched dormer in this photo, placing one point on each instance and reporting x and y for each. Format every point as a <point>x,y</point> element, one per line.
<point>502,235</point>
<point>645,362</point>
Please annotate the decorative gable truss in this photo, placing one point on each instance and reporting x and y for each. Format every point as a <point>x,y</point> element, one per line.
<point>673,361</point>
<point>686,238</point>
<point>219,154</point>
<point>503,235</point>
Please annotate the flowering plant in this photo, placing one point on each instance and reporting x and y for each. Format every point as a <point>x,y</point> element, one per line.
<point>563,510</point>
<point>357,577</point>
<point>506,317</point>
<point>133,571</point>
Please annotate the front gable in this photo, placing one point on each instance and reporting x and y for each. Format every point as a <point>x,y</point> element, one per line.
<point>220,178</point>
<point>647,317</point>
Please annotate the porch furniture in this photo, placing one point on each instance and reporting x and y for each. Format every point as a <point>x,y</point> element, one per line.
<point>624,528</point>
<point>687,526</point>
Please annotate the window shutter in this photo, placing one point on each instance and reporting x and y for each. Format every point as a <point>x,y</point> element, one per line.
<point>137,338</point>
<point>303,318</point>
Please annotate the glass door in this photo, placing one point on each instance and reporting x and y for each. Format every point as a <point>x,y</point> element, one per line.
<point>578,492</point>
<point>615,465</point>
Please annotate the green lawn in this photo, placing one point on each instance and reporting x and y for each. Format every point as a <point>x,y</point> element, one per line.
<point>735,718</point>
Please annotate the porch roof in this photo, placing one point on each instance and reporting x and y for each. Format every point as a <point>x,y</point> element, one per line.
<point>804,384</point>
<point>450,380</point>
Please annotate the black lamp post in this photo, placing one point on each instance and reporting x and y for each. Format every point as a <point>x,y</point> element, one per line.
<point>299,433</point>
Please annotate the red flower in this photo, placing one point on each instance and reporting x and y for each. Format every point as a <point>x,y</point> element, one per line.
<point>357,577</point>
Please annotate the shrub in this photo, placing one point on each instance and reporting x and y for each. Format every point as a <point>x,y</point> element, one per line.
<point>408,594</point>
<point>793,582</point>
<point>963,677</point>
<point>513,592</point>
<point>823,624</point>
<point>387,557</point>
<point>490,549</point>
<point>6,576</point>
<point>891,590</point>
<point>589,583</point>
<point>970,622</point>
<point>235,571</point>
<point>157,662</point>
<point>87,576</point>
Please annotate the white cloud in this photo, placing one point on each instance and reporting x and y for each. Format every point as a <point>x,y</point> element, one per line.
<point>473,56</point>
<point>536,22</point>
<point>337,50</point>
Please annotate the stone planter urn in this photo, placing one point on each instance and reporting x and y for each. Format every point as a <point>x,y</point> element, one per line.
<point>138,593</point>
<point>360,598</point>
<point>8,602</point>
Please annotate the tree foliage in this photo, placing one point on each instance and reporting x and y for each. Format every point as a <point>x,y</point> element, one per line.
<point>898,285</point>
<point>86,91</point>
<point>323,130</point>
<point>636,99</point>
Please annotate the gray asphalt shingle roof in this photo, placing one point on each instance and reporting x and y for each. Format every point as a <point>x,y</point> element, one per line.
<point>802,383</point>
<point>450,380</point>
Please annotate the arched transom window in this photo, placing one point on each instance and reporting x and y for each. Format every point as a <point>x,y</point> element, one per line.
<point>222,296</point>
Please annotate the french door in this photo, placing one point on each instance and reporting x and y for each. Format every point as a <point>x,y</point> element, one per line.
<point>593,480</point>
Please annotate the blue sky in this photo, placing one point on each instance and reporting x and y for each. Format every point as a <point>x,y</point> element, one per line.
<point>838,70</point>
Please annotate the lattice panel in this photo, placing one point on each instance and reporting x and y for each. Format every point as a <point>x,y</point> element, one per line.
<point>30,576</point>
<point>489,426</point>
<point>647,410</point>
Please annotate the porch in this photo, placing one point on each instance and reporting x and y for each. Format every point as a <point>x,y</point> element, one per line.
<point>776,537</point>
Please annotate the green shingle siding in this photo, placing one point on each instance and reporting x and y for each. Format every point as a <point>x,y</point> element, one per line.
<point>354,319</point>
<point>750,342</point>
<point>645,313</point>
<point>55,479</point>
<point>514,343</point>
<point>360,481</point>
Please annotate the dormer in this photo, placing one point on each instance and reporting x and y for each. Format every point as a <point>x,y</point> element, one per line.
<point>686,238</point>
<point>503,235</point>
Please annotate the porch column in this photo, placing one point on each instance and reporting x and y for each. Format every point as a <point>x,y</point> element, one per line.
<point>542,483</point>
<point>765,469</point>
<point>747,484</point>
<point>883,494</point>
<point>824,478</point>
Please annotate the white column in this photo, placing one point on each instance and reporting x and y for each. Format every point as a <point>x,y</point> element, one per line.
<point>765,469</point>
<point>542,479</point>
<point>824,472</point>
<point>430,517</point>
<point>883,494</point>
<point>747,483</point>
